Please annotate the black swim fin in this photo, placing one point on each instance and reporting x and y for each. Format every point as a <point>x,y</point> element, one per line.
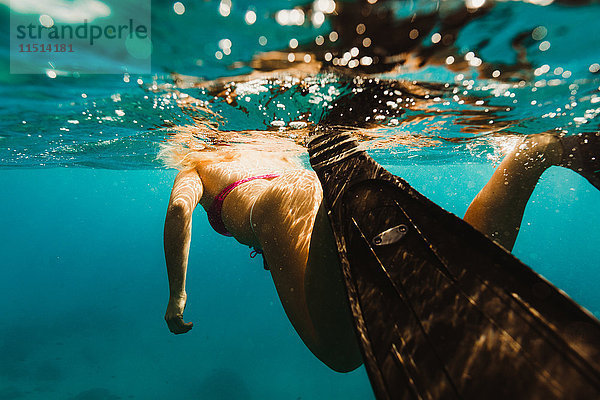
<point>581,153</point>
<point>441,311</point>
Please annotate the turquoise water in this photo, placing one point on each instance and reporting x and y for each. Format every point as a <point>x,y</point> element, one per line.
<point>84,283</point>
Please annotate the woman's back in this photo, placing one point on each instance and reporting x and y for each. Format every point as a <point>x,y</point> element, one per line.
<point>222,168</point>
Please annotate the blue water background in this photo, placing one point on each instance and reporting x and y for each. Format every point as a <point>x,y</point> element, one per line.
<point>84,290</point>
<point>83,286</point>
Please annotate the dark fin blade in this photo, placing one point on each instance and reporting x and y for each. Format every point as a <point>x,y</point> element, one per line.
<point>440,310</point>
<point>581,153</point>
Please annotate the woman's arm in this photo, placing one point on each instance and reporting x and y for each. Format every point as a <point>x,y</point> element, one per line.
<point>185,195</point>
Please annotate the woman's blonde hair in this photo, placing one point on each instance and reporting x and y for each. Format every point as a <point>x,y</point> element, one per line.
<point>189,146</point>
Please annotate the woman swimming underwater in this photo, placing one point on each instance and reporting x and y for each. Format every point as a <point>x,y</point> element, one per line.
<point>267,201</point>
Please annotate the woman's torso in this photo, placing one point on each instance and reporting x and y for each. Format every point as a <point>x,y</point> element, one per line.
<point>291,228</point>
<point>237,205</point>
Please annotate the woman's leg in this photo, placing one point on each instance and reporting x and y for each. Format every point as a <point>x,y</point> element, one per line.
<point>302,258</point>
<point>497,210</point>
<point>327,301</point>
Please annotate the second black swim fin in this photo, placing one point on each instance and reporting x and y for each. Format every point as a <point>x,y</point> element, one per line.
<point>442,312</point>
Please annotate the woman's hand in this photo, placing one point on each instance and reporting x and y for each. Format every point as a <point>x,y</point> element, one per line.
<point>174,315</point>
